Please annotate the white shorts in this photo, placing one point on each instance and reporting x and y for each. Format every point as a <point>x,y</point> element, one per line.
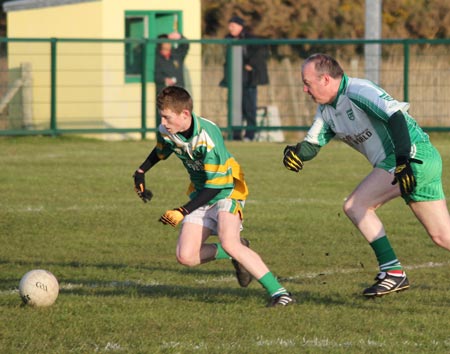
<point>207,215</point>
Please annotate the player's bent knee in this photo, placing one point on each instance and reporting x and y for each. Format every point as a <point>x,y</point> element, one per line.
<point>188,260</point>
<point>441,240</point>
<point>348,208</point>
<point>354,209</point>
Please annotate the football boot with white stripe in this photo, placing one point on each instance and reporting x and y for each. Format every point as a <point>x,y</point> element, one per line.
<point>281,300</point>
<point>387,283</point>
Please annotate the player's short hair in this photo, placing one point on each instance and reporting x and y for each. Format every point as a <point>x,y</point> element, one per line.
<point>174,98</point>
<point>325,64</point>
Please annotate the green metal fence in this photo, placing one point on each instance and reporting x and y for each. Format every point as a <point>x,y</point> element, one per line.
<point>80,86</point>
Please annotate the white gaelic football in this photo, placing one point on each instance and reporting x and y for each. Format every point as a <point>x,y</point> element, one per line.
<point>39,288</point>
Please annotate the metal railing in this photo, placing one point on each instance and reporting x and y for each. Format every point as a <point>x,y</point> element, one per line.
<point>414,70</point>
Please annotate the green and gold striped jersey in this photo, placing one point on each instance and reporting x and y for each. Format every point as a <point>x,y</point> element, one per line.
<point>206,158</point>
<point>358,116</point>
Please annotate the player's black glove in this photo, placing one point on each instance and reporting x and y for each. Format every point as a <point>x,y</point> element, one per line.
<point>404,175</point>
<point>291,160</point>
<point>139,186</point>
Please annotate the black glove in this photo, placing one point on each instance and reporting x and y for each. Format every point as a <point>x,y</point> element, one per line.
<point>291,160</point>
<point>139,186</point>
<point>404,175</point>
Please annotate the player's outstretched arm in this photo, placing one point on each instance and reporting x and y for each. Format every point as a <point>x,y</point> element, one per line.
<point>295,155</point>
<point>291,160</point>
<point>139,177</point>
<point>175,216</point>
<point>139,186</point>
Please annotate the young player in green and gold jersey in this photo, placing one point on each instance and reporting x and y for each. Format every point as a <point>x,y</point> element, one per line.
<point>217,193</point>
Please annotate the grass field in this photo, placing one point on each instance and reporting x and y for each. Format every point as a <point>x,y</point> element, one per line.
<point>68,205</point>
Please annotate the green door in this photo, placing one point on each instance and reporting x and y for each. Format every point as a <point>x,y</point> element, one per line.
<point>146,24</point>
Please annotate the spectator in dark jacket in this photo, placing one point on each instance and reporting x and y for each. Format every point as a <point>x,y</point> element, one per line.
<point>254,73</point>
<point>169,68</point>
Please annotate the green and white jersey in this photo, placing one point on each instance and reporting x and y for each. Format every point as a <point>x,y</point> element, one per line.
<point>206,158</point>
<point>358,116</point>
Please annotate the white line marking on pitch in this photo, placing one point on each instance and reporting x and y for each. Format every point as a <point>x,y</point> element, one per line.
<point>357,270</point>
<point>155,282</point>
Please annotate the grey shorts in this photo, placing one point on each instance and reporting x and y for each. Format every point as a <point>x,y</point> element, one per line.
<point>207,215</point>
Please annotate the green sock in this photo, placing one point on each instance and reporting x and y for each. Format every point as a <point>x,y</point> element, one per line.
<point>271,284</point>
<point>387,260</point>
<point>221,254</point>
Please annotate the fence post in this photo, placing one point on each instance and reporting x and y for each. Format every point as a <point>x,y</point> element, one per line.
<point>144,89</point>
<point>53,123</point>
<point>229,81</point>
<point>27,96</point>
<point>372,52</point>
<point>406,70</point>
<point>234,78</point>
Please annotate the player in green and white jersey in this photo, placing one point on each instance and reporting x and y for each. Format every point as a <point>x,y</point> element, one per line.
<point>405,163</point>
<point>217,193</point>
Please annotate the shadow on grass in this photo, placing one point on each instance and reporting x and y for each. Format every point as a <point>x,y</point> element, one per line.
<point>180,292</point>
<point>98,286</point>
<point>199,270</point>
<point>157,285</point>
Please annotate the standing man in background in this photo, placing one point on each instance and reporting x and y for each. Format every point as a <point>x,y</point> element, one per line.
<point>254,73</point>
<point>169,64</point>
